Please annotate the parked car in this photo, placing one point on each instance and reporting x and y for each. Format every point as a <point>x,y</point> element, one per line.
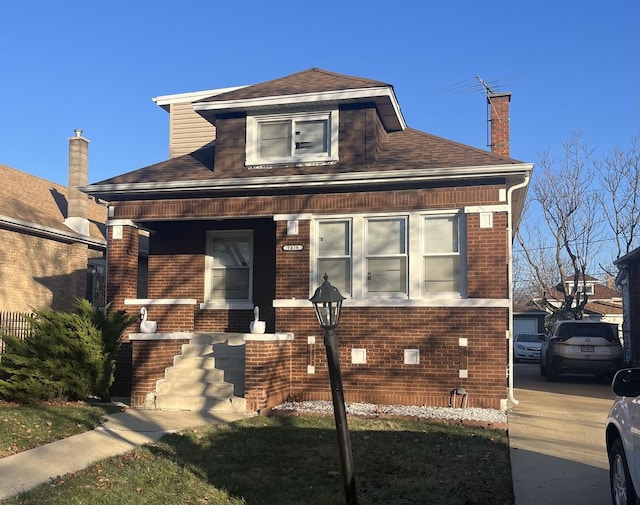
<point>527,346</point>
<point>584,347</point>
<point>623,438</point>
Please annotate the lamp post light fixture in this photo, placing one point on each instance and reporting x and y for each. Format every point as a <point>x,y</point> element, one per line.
<point>327,302</point>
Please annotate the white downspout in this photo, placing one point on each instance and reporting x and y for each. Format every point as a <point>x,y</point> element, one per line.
<point>510,191</point>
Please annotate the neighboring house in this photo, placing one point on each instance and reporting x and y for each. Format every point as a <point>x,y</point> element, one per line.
<point>316,173</point>
<point>604,302</point>
<point>52,239</point>
<point>629,281</point>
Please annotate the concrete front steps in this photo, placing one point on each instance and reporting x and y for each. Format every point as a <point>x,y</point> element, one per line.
<point>207,376</point>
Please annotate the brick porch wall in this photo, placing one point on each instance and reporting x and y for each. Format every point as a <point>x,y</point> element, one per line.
<point>267,373</point>
<point>150,359</point>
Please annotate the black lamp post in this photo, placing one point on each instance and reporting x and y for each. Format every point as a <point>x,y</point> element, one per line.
<point>327,301</point>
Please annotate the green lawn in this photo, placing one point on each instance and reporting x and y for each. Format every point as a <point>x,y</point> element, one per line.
<point>23,427</point>
<point>294,460</point>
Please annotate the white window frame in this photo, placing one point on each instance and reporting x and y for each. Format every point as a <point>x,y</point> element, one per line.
<point>368,255</point>
<point>349,256</point>
<point>424,254</point>
<point>226,303</point>
<point>414,232</point>
<point>252,138</point>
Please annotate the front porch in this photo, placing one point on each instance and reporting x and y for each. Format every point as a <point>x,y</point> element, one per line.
<point>210,371</point>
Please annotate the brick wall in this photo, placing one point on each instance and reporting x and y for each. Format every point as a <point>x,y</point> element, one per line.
<point>292,267</point>
<point>169,318</point>
<point>267,374</point>
<point>149,361</point>
<point>366,201</point>
<point>176,265</point>
<point>122,267</point>
<point>488,257</point>
<point>385,333</point>
<point>40,273</point>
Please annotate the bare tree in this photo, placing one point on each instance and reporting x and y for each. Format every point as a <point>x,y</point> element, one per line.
<point>619,175</point>
<point>565,228</point>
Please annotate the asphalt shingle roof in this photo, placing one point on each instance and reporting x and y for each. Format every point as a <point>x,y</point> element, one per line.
<point>43,203</point>
<point>313,80</point>
<point>400,150</point>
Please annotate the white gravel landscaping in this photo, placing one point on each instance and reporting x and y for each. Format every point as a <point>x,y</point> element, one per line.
<point>370,409</point>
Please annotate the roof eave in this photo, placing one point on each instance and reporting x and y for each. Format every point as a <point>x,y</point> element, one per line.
<point>384,97</point>
<point>517,171</point>
<point>51,233</point>
<point>165,101</point>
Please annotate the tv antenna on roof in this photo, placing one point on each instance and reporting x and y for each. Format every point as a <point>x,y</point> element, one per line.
<point>490,88</point>
<point>487,89</point>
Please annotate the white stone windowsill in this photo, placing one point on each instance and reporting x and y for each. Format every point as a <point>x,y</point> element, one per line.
<point>268,337</point>
<point>160,301</point>
<point>187,335</point>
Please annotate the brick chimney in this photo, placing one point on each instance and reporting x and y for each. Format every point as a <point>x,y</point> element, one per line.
<point>77,201</point>
<point>498,104</point>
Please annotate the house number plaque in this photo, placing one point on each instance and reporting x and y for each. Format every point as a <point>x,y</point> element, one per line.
<point>293,247</point>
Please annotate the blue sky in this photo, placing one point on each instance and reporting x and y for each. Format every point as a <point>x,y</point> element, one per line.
<point>571,66</point>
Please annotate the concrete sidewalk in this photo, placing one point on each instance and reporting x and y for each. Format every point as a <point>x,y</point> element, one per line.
<point>120,433</point>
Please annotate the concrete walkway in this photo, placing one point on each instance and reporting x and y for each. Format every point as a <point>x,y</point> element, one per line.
<point>120,433</point>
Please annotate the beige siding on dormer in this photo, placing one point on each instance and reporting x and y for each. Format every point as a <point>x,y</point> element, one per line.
<point>188,130</point>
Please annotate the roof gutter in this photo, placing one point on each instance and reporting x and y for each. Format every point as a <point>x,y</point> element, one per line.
<point>308,181</point>
<point>48,232</point>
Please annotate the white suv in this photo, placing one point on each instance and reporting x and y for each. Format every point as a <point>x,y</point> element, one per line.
<point>584,347</point>
<point>623,438</point>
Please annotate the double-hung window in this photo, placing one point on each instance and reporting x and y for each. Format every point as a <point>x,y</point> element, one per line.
<point>292,138</point>
<point>229,264</point>
<point>418,255</point>
<point>441,253</point>
<point>386,255</point>
<point>334,253</point>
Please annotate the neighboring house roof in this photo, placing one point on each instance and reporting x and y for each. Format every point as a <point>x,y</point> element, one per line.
<point>531,310</point>
<point>40,206</point>
<point>603,308</point>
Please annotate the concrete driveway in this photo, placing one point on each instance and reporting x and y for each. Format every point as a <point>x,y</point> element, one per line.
<point>556,434</point>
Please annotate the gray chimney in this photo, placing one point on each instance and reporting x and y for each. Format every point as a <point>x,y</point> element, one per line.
<point>77,218</point>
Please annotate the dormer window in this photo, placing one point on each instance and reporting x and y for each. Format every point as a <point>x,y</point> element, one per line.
<point>587,289</point>
<point>292,138</point>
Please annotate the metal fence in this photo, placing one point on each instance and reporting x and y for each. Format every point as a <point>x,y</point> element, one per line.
<point>14,323</point>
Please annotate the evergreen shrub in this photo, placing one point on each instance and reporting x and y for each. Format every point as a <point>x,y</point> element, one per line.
<point>67,355</point>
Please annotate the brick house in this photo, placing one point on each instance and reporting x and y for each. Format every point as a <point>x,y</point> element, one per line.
<point>53,238</point>
<point>268,187</point>
<point>629,281</point>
